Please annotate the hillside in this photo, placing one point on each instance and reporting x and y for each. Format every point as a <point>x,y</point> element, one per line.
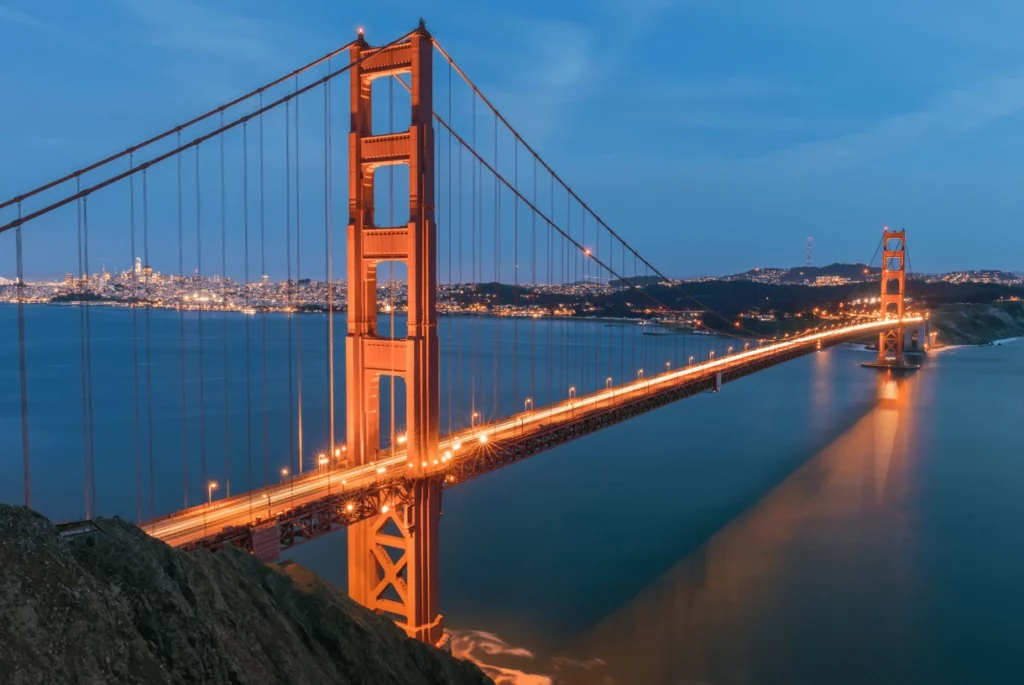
<point>975,324</point>
<point>120,607</point>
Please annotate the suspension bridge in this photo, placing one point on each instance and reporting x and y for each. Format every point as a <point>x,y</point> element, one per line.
<point>467,218</point>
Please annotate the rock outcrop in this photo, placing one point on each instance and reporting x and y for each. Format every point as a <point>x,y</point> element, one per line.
<point>976,324</point>
<point>117,606</point>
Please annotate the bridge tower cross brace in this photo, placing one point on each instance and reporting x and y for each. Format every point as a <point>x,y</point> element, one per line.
<point>891,342</point>
<point>393,557</point>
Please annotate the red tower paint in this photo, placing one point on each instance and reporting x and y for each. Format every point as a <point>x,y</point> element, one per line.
<point>393,557</point>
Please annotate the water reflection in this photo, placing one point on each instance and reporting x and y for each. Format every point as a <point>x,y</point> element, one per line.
<point>807,582</point>
<point>737,609</point>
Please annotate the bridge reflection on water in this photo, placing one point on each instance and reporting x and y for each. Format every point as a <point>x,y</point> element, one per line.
<point>738,608</point>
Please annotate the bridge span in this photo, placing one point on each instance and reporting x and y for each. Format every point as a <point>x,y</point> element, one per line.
<point>310,505</point>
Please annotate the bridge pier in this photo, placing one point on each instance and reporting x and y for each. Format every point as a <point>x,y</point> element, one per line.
<point>393,557</point>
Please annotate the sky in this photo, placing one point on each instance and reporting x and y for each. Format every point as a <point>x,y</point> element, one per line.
<point>716,136</point>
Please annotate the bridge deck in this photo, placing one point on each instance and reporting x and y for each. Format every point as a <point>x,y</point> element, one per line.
<point>313,503</point>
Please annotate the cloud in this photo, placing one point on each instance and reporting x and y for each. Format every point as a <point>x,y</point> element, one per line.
<point>194,27</point>
<point>16,17</point>
<point>952,114</point>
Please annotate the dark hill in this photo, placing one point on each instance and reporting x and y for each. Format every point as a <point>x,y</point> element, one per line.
<point>121,607</point>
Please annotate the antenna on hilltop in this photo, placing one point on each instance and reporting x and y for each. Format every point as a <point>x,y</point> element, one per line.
<point>810,248</point>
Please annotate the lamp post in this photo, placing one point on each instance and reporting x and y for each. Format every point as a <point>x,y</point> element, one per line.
<point>528,404</point>
<point>209,492</point>
<point>284,474</point>
<point>639,374</point>
<point>608,382</point>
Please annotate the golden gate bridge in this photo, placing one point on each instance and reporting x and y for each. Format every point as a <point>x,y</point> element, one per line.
<point>242,186</point>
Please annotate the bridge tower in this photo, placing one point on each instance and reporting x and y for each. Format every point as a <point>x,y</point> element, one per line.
<point>891,342</point>
<point>393,557</point>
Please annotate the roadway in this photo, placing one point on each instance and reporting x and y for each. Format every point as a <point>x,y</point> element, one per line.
<point>196,523</point>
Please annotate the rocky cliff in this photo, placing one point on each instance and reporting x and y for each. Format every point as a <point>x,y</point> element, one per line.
<point>975,324</point>
<point>117,606</point>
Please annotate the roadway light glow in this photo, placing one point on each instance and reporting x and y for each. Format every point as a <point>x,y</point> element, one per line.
<point>323,461</point>
<point>447,455</point>
<point>337,452</point>
<point>384,509</point>
<point>349,507</point>
<point>456,445</point>
<point>381,469</point>
<point>402,439</point>
<point>483,438</point>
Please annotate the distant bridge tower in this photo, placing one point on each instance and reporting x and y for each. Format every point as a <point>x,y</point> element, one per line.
<point>393,557</point>
<point>891,342</point>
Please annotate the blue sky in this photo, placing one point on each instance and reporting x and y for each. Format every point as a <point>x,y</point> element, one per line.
<point>715,135</point>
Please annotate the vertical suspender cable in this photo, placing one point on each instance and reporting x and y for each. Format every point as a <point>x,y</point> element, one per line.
<point>202,365</point>
<point>149,350</point>
<point>23,368</point>
<point>224,315</point>
<point>532,280</point>
<point>83,284</point>
<point>181,338</point>
<point>551,277</point>
<point>135,341</point>
<point>476,281</point>
<point>497,272</point>
<point>515,278</point>
<point>298,281</point>
<point>450,216</point>
<point>288,273</point>
<point>248,327</point>
<point>263,307</point>
<point>88,357</point>
<point>328,235</point>
<point>462,282</point>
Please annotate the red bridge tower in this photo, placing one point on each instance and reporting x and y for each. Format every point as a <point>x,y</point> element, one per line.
<point>393,557</point>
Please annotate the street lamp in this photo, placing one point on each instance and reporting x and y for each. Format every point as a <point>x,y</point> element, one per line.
<point>267,497</point>
<point>730,350</point>
<point>209,492</point>
<point>691,360</point>
<point>528,404</point>
<point>712,354</point>
<point>572,391</point>
<point>608,382</point>
<point>284,474</point>
<point>473,418</point>
<point>639,374</point>
<point>323,460</point>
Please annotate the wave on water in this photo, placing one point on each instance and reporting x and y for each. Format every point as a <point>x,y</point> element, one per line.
<point>507,664</point>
